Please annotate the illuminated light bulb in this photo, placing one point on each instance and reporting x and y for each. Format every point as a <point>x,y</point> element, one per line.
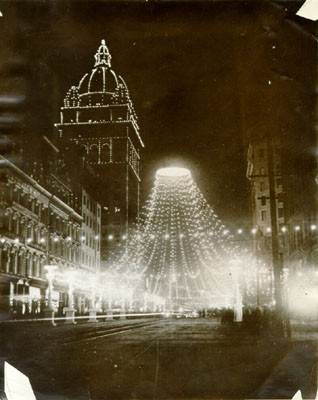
<point>297,228</point>
<point>68,238</point>
<point>239,231</point>
<point>284,229</point>
<point>253,231</point>
<point>173,172</point>
<point>2,240</point>
<point>268,230</point>
<point>55,239</point>
<point>180,264</point>
<point>313,227</point>
<point>16,240</point>
<point>225,232</point>
<point>29,240</point>
<point>124,237</point>
<point>110,237</point>
<point>96,237</point>
<point>82,238</point>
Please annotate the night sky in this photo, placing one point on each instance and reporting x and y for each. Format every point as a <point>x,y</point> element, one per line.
<point>181,62</point>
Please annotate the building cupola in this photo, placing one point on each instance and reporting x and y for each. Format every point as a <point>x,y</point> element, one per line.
<point>102,55</point>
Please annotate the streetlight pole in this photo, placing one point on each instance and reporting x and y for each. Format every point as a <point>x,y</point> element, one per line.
<point>70,311</point>
<point>50,311</point>
<point>257,247</point>
<point>238,306</point>
<point>274,230</point>
<point>92,311</point>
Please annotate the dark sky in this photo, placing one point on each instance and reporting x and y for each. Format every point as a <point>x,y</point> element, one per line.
<point>180,62</point>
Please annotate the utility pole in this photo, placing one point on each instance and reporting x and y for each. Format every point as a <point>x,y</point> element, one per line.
<point>275,245</point>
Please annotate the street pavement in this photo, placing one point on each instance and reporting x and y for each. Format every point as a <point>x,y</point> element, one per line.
<point>158,359</point>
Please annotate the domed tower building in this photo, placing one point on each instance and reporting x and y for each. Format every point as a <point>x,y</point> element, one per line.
<point>98,119</point>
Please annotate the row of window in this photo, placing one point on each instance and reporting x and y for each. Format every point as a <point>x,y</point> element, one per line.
<point>18,264</point>
<point>33,234</point>
<point>20,226</point>
<point>33,266</point>
<point>280,214</point>
<point>91,241</point>
<point>56,223</point>
<point>91,205</point>
<point>262,184</point>
<point>91,223</point>
<point>264,199</point>
<point>61,249</point>
<point>25,200</point>
<point>89,260</point>
<point>63,227</point>
<point>263,171</point>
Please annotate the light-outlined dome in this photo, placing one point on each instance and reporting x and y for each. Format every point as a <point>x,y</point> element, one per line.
<point>101,85</point>
<point>101,79</point>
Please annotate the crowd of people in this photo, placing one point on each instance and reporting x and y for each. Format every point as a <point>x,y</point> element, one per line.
<point>256,320</point>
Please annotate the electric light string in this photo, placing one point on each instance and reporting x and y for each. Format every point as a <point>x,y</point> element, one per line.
<point>179,249</point>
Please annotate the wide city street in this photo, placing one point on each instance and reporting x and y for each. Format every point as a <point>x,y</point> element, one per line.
<point>158,358</point>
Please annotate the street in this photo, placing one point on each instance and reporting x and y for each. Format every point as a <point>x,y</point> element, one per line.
<point>149,358</point>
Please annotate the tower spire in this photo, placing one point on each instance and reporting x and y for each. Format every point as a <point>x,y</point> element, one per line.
<point>102,56</point>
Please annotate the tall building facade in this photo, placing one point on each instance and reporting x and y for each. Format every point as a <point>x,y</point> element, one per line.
<point>295,205</point>
<point>257,173</point>
<point>37,229</point>
<point>98,121</point>
<point>277,101</point>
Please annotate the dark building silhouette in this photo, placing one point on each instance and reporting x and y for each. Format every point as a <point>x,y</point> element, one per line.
<point>278,106</point>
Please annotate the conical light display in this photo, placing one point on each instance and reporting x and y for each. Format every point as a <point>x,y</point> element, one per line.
<point>180,252</point>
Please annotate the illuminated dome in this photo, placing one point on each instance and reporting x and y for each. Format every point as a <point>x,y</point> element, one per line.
<point>99,87</point>
<point>98,90</point>
<point>100,80</point>
<point>173,172</point>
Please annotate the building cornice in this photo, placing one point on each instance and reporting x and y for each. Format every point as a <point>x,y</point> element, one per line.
<point>53,199</point>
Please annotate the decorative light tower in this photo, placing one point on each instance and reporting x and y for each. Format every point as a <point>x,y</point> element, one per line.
<point>98,119</point>
<point>184,259</point>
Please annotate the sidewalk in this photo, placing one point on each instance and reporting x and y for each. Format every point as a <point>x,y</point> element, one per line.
<point>297,370</point>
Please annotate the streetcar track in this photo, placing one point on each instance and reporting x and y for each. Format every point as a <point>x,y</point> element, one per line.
<point>93,331</point>
<point>117,331</point>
